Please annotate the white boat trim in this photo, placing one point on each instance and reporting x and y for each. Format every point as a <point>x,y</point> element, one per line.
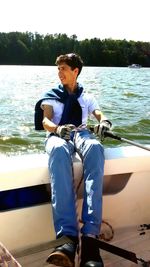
<point>32,169</point>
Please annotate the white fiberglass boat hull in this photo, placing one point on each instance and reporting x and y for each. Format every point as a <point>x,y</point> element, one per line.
<point>126,197</point>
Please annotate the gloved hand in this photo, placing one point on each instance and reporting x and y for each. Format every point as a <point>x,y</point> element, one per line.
<point>101,128</point>
<point>64,131</point>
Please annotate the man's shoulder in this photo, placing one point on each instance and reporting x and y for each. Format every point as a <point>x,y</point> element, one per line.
<point>87,95</point>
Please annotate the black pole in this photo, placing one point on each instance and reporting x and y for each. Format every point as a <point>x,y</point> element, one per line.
<point>114,136</point>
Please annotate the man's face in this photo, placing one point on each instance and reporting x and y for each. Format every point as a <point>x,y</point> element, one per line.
<point>66,75</point>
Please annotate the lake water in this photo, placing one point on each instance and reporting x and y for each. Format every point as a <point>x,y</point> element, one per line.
<point>123,95</point>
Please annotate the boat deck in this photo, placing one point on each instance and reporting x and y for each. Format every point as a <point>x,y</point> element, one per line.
<point>131,239</point>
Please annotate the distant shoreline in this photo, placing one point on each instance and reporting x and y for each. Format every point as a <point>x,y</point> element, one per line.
<point>28,48</point>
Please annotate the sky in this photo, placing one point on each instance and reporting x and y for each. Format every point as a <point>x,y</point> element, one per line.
<point>116,19</point>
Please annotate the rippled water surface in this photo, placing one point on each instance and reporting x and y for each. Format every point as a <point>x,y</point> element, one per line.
<point>123,95</point>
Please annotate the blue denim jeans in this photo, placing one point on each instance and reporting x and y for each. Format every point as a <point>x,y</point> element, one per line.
<point>63,195</point>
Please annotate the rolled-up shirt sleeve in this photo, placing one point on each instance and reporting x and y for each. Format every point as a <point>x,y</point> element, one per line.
<point>93,104</point>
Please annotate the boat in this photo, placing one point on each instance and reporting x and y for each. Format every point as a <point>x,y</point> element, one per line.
<point>26,225</point>
<point>135,66</point>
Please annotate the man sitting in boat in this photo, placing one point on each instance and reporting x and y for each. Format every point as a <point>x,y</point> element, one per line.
<point>64,112</point>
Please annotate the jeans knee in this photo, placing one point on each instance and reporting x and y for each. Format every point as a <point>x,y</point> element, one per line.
<point>57,147</point>
<point>98,148</point>
<point>94,147</point>
<point>58,151</point>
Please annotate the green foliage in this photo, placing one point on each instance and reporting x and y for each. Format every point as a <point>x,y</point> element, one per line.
<point>28,48</point>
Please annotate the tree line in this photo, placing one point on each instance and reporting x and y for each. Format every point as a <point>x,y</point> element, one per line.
<point>35,49</point>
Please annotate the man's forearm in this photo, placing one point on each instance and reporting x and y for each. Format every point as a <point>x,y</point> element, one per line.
<point>48,125</point>
<point>99,115</point>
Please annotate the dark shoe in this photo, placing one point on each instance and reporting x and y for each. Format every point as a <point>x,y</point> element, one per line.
<point>90,254</point>
<point>64,255</point>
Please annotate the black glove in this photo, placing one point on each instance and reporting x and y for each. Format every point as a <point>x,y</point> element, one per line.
<point>102,127</point>
<point>64,131</point>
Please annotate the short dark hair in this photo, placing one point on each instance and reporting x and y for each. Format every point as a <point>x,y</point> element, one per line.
<point>73,60</point>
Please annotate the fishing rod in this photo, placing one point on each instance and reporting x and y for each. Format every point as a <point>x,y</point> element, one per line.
<point>119,138</point>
